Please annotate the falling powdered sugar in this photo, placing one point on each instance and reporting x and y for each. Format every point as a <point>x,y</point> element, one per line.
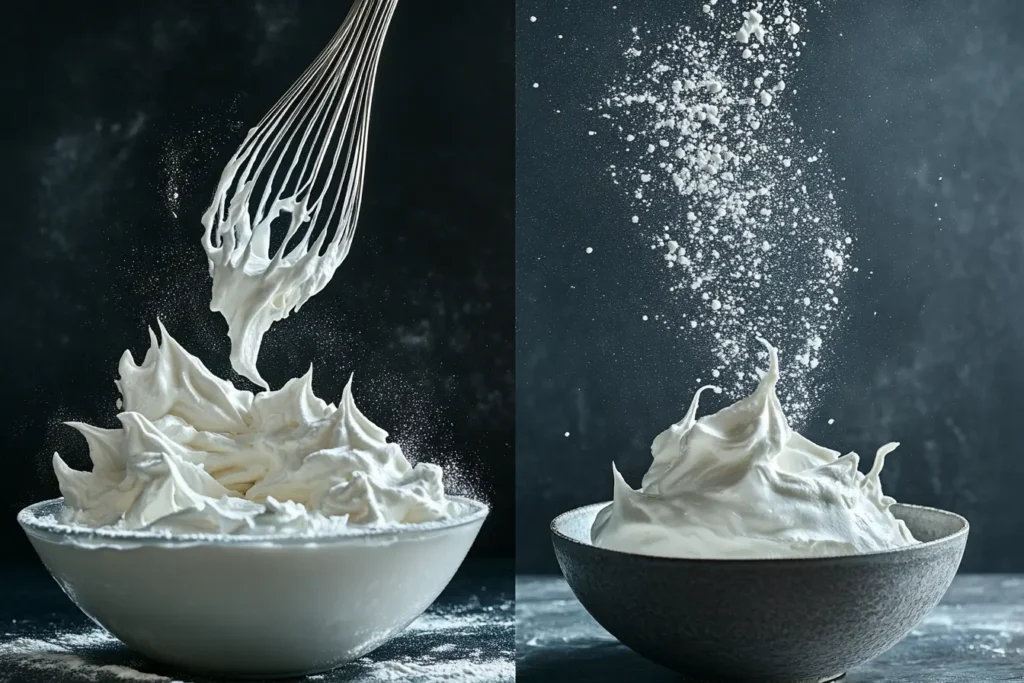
<point>735,199</point>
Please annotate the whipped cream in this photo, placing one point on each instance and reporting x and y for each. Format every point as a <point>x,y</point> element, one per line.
<point>740,484</point>
<point>253,288</point>
<point>196,455</point>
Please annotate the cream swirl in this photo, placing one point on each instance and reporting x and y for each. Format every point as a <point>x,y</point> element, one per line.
<point>741,484</point>
<point>195,454</point>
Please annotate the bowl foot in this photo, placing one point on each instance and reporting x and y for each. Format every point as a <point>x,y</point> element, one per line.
<point>826,679</point>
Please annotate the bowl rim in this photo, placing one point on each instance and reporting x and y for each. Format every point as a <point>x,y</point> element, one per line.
<point>951,538</point>
<point>88,537</point>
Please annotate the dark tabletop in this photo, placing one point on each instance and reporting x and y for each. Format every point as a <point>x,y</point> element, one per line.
<point>976,635</point>
<point>467,635</point>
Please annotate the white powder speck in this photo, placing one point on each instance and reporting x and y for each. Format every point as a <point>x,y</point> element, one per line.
<point>590,250</point>
<point>533,19</point>
<point>645,317</point>
<point>831,421</point>
<point>536,85</point>
<point>567,435</point>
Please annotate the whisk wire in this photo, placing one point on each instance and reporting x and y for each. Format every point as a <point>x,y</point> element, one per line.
<point>297,178</point>
<point>321,110</point>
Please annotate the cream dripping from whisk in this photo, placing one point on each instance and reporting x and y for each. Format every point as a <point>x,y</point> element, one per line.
<point>740,484</point>
<point>302,165</point>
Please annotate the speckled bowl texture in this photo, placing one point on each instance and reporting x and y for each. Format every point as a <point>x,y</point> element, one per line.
<point>792,621</point>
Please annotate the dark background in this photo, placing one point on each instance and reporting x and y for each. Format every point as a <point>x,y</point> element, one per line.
<point>109,108</point>
<point>915,91</point>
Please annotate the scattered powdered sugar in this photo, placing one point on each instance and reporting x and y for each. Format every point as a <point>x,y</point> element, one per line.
<point>55,655</point>
<point>60,642</point>
<point>464,619</point>
<point>738,204</point>
<point>68,663</point>
<point>470,670</point>
<point>431,653</point>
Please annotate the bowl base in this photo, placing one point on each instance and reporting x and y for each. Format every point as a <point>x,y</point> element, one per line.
<point>826,679</point>
<point>829,679</point>
<point>220,674</point>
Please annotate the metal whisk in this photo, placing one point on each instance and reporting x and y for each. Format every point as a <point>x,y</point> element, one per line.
<point>305,161</point>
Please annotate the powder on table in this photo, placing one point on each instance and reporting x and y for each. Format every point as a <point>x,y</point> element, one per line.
<point>68,663</point>
<point>496,670</point>
<point>442,661</point>
<point>54,654</point>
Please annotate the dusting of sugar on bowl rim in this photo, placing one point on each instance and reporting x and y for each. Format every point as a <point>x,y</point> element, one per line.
<point>42,518</point>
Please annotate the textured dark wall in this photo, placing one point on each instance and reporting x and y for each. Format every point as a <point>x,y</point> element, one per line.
<point>931,352</point>
<point>109,108</point>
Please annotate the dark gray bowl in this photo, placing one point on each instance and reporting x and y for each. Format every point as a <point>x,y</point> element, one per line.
<point>794,620</point>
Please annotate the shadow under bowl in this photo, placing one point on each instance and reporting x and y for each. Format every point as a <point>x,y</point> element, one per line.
<point>771,620</point>
<point>251,606</point>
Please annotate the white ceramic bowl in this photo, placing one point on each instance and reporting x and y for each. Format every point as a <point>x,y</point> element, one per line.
<point>253,606</point>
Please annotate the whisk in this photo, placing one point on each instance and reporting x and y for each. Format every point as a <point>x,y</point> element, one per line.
<point>305,162</point>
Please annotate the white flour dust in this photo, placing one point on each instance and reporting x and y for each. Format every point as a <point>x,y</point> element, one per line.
<point>465,620</point>
<point>980,630</point>
<point>441,662</point>
<point>56,655</point>
<point>472,670</point>
<point>736,202</point>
